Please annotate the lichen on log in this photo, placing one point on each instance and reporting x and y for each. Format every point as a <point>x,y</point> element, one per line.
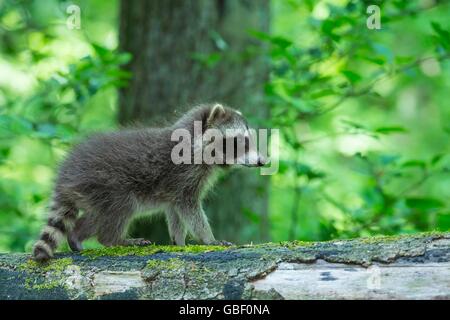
<point>403,267</point>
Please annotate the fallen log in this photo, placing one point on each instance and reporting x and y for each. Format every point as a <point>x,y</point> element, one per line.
<point>402,267</point>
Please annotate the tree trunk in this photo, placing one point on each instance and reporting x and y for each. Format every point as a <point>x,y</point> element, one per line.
<point>405,267</point>
<point>194,51</point>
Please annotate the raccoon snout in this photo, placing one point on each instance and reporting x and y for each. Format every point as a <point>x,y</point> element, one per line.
<point>262,161</point>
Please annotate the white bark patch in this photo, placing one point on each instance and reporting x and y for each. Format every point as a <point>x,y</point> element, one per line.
<point>74,280</point>
<point>107,282</point>
<point>324,280</point>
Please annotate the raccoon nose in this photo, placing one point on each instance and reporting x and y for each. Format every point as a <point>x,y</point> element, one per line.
<point>261,161</point>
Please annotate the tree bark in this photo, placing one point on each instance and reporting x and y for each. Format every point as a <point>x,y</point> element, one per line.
<point>194,51</point>
<point>406,267</point>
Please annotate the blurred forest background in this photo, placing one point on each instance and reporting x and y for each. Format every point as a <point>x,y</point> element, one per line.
<point>364,114</point>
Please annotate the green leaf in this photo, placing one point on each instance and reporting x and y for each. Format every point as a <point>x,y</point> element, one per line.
<point>260,35</point>
<point>101,51</point>
<point>123,58</point>
<point>209,60</point>
<point>353,124</point>
<point>424,203</point>
<point>11,124</point>
<point>284,166</point>
<point>322,93</point>
<point>384,51</point>
<point>279,41</point>
<point>45,130</point>
<point>389,130</point>
<point>119,74</point>
<point>443,36</point>
<point>351,76</point>
<point>376,60</point>
<point>327,29</point>
<point>386,159</point>
<point>437,158</point>
<point>446,129</point>
<point>404,59</point>
<point>414,163</point>
<point>443,221</point>
<point>305,170</point>
<point>251,215</point>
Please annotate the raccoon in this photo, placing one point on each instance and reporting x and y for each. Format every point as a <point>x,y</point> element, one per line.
<point>112,176</point>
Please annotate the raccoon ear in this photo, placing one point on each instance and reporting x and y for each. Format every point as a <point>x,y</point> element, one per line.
<point>217,111</point>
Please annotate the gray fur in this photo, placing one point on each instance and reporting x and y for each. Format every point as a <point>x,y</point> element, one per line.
<point>110,177</point>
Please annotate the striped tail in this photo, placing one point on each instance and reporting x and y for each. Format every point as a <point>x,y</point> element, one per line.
<point>61,221</point>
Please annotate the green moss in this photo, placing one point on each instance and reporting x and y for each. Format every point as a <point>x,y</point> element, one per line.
<point>367,240</point>
<point>297,243</point>
<point>41,286</point>
<point>177,269</point>
<point>148,250</point>
<point>54,265</point>
<point>170,268</point>
<point>384,239</point>
<point>169,264</point>
<point>53,270</point>
<point>286,244</point>
<point>152,249</point>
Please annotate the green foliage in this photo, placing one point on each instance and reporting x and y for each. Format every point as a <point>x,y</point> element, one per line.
<point>338,92</point>
<point>48,101</point>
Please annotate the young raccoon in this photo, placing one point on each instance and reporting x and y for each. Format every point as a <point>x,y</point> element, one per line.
<point>110,177</point>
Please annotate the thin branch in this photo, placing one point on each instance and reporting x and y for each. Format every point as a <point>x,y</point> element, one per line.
<point>416,184</point>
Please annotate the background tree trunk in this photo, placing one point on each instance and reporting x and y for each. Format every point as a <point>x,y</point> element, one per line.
<point>194,51</point>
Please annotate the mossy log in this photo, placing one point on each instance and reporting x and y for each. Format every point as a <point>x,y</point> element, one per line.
<point>405,267</point>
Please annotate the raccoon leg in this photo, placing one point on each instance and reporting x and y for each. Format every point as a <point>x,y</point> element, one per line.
<point>108,236</point>
<point>112,224</point>
<point>85,227</point>
<point>195,220</point>
<point>111,234</point>
<point>177,229</point>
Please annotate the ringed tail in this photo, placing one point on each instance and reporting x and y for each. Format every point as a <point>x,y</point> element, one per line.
<point>60,222</point>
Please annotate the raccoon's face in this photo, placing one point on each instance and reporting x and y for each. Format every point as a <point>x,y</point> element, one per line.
<point>239,144</point>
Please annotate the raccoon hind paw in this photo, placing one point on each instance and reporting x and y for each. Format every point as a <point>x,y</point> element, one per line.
<point>137,242</point>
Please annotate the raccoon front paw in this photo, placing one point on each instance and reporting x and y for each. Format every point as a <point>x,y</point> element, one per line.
<point>137,242</point>
<point>221,243</point>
